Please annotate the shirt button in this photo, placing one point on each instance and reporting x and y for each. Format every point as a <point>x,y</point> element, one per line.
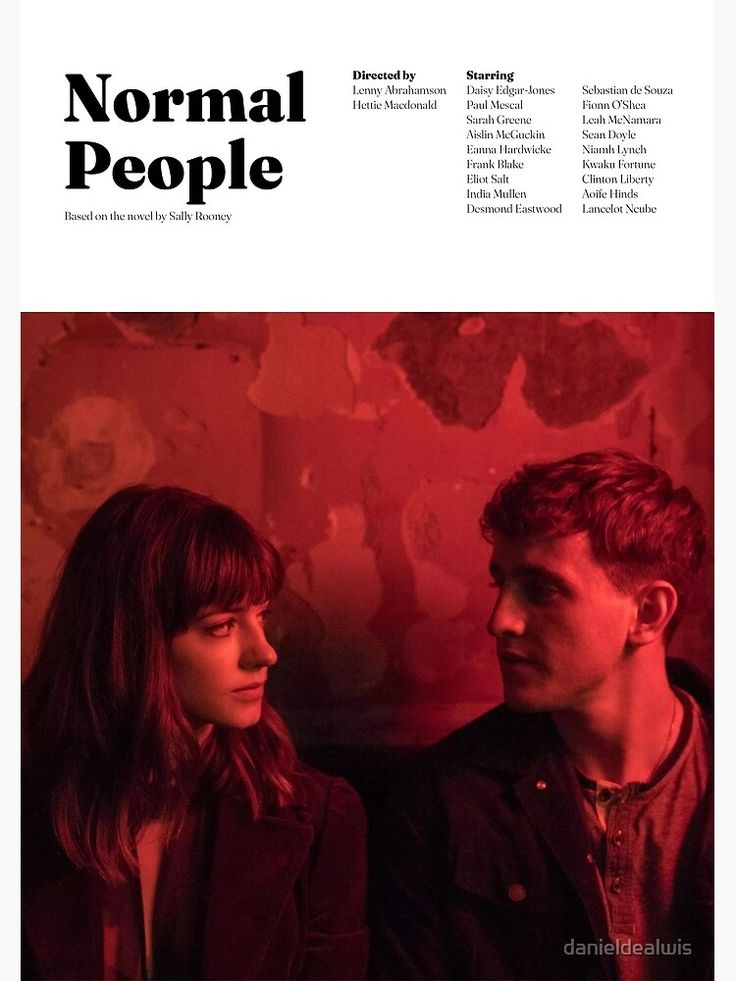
<point>589,858</point>
<point>617,885</point>
<point>541,784</point>
<point>516,892</point>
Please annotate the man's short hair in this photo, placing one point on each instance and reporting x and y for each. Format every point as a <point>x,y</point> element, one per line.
<point>640,526</point>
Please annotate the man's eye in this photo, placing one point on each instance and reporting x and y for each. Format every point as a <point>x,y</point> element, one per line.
<point>541,592</point>
<point>221,629</point>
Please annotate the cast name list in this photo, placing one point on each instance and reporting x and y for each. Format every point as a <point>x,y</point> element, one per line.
<point>507,146</point>
<point>619,126</point>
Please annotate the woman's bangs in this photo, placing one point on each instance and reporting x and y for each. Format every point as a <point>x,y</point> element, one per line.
<point>227,564</point>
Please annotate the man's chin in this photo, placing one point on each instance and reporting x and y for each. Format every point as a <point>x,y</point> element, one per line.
<point>524,701</point>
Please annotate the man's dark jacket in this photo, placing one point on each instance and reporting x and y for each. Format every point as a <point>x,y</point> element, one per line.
<point>484,862</point>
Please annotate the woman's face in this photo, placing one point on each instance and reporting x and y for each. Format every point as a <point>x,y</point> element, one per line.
<point>220,664</point>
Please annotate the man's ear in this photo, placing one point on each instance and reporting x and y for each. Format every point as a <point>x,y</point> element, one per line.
<point>656,605</point>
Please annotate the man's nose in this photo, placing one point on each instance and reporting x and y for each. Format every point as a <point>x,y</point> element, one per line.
<point>507,616</point>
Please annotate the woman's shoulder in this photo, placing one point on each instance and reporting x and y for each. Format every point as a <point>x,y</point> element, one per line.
<point>325,798</point>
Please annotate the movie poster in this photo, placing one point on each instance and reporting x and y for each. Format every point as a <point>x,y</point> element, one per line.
<point>313,263</point>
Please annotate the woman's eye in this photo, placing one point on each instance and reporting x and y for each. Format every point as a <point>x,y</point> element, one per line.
<point>222,629</point>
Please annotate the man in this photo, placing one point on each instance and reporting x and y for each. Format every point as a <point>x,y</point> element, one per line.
<point>567,833</point>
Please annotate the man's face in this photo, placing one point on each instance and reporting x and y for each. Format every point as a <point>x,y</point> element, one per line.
<point>560,624</point>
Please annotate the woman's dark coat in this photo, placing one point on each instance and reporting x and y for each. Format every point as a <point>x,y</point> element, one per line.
<point>286,899</point>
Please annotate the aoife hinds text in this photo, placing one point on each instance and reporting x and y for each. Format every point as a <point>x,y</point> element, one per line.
<point>90,159</point>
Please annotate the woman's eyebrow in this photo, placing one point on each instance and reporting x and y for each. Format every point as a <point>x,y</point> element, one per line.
<point>214,611</point>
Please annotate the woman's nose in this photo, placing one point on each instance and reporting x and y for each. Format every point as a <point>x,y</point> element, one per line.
<point>256,652</point>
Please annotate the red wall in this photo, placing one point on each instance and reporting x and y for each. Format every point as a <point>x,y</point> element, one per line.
<point>365,446</point>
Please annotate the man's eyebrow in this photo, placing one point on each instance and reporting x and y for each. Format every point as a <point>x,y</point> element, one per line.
<point>533,570</point>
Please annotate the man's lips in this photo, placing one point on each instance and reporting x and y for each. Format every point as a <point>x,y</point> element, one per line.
<point>510,657</point>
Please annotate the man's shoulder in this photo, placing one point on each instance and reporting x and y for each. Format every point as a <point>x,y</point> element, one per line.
<point>501,740</point>
<point>500,723</point>
<point>685,675</point>
<point>467,776</point>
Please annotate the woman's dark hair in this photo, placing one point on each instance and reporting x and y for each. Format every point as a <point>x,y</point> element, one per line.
<point>101,718</point>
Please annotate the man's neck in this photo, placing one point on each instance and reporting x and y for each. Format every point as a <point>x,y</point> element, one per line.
<point>624,734</point>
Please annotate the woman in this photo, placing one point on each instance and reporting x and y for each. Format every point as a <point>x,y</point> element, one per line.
<point>169,830</point>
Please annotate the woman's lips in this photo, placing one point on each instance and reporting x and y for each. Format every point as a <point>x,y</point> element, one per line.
<point>249,693</point>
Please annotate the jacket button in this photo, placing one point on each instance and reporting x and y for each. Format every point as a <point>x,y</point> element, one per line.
<point>516,892</point>
<point>617,885</point>
<point>541,784</point>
